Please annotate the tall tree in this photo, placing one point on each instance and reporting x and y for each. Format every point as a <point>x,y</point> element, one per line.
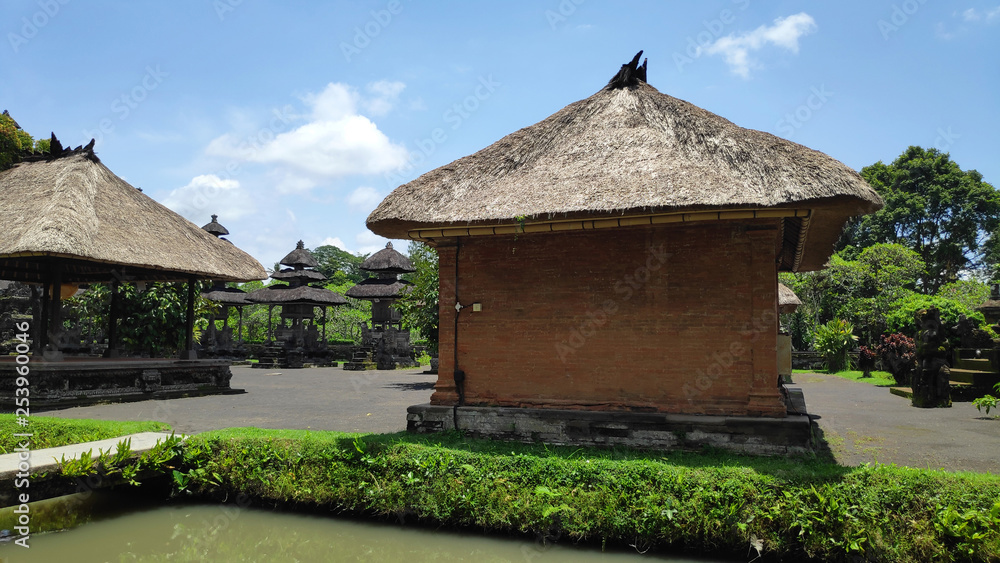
<point>947,215</point>
<point>338,265</point>
<point>420,306</point>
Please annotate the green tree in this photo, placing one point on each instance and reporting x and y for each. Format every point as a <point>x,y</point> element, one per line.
<point>902,317</point>
<point>420,307</point>
<point>970,293</point>
<point>13,142</point>
<point>947,215</point>
<point>339,265</point>
<point>857,286</point>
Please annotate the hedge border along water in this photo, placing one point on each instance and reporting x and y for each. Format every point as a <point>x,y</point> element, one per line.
<point>709,502</point>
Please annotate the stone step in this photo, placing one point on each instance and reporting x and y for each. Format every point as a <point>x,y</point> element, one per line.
<point>974,377</point>
<point>980,364</point>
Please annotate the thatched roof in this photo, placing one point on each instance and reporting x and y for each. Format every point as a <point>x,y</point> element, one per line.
<point>300,257</point>
<point>388,261</point>
<point>787,300</point>
<point>227,296</point>
<point>302,275</point>
<point>301,295</point>
<point>379,288</point>
<point>629,151</point>
<point>71,212</point>
<point>215,228</point>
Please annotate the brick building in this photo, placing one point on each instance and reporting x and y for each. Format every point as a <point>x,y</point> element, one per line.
<point>612,270</point>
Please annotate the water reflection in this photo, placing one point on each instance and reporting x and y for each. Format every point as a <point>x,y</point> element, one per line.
<point>228,533</point>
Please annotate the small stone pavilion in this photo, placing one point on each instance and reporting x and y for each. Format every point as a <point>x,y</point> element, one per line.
<point>609,274</point>
<point>386,335</point>
<point>296,333</point>
<point>69,221</point>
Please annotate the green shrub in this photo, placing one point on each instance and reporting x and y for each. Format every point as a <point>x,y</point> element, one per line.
<point>901,318</point>
<point>834,341</point>
<point>988,401</point>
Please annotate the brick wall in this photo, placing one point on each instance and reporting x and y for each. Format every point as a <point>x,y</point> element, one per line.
<point>667,318</point>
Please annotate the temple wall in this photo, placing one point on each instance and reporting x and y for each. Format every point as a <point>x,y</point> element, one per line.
<point>672,318</point>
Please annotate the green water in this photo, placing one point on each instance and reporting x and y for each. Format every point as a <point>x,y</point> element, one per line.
<point>227,533</point>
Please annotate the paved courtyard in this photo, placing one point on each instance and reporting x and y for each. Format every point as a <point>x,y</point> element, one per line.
<point>859,423</point>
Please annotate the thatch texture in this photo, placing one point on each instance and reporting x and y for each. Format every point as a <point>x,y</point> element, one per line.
<point>625,151</point>
<point>307,276</point>
<point>379,288</point>
<point>388,261</point>
<point>301,295</point>
<point>74,212</point>
<point>227,296</point>
<point>787,300</point>
<point>300,257</point>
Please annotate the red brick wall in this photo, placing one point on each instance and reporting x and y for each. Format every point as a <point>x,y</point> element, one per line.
<point>667,318</point>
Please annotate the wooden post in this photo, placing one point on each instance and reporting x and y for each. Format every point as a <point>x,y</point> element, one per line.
<point>112,351</point>
<point>189,352</point>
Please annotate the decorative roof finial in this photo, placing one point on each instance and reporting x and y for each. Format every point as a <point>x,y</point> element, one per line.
<point>630,74</point>
<point>389,245</point>
<point>300,245</point>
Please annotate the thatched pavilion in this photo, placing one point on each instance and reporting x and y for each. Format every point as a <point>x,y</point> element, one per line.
<point>612,270</point>
<point>298,301</point>
<point>69,220</point>
<point>386,335</point>
<point>221,341</point>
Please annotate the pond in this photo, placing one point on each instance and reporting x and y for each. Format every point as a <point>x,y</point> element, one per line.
<point>121,530</point>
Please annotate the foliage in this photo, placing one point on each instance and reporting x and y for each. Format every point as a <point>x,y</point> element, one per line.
<point>50,432</point>
<point>715,502</point>
<point>420,307</point>
<point>340,266</point>
<point>859,285</point>
<point>344,322</point>
<point>866,360</point>
<point>946,214</point>
<point>14,141</point>
<point>902,315</point>
<point>834,341</point>
<point>898,353</point>
<point>987,401</point>
<point>152,321</point>
<point>970,293</point>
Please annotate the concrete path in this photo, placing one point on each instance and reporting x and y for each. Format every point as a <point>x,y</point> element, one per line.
<point>311,398</point>
<point>47,459</point>
<point>861,423</point>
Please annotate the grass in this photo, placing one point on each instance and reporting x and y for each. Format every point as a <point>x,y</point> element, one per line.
<point>51,432</point>
<point>709,502</point>
<point>878,378</point>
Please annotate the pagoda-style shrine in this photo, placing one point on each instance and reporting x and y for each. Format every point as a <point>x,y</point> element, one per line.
<point>385,336</point>
<point>220,342</point>
<point>296,336</point>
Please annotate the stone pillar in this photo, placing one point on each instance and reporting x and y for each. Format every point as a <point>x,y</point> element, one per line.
<point>445,392</point>
<point>764,399</point>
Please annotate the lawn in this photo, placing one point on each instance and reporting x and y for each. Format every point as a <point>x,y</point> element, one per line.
<point>50,432</point>
<point>878,378</point>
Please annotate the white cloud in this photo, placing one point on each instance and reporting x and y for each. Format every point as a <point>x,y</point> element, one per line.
<point>990,15</point>
<point>364,198</point>
<point>785,34</point>
<point>291,216</point>
<point>336,141</point>
<point>334,241</point>
<point>208,194</point>
<point>385,96</point>
<point>370,242</point>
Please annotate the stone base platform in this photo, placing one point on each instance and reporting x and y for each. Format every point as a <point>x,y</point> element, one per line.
<point>83,381</point>
<point>753,435</point>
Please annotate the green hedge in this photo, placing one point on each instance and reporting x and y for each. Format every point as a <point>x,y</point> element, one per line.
<point>713,502</point>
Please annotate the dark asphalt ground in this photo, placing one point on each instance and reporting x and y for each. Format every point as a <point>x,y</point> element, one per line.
<point>859,423</point>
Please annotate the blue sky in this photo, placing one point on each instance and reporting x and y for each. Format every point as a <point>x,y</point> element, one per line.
<point>292,119</point>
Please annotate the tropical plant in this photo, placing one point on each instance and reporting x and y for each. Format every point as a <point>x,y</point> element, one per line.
<point>898,353</point>
<point>901,317</point>
<point>420,307</point>
<point>987,401</point>
<point>834,341</point>
<point>866,360</point>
